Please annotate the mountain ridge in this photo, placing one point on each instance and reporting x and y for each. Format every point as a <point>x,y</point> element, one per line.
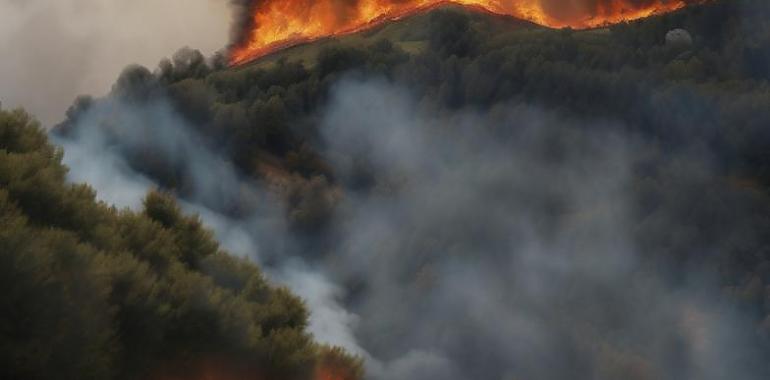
<point>394,32</point>
<point>614,184</point>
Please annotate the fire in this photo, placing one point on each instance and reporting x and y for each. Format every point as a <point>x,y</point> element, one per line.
<point>324,374</point>
<point>277,24</point>
<point>206,368</point>
<point>221,368</point>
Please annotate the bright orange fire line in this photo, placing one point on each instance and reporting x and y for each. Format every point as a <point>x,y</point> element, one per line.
<point>280,24</point>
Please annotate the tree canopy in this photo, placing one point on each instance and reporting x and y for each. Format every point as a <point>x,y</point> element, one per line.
<point>93,292</point>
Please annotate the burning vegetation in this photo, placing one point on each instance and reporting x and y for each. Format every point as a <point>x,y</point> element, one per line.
<point>271,25</point>
<point>541,204</point>
<point>330,364</point>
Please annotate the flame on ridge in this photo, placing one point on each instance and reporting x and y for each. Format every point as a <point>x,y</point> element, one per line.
<point>277,24</point>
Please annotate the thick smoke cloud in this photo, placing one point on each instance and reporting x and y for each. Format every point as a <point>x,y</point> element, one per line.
<point>56,50</point>
<point>502,245</point>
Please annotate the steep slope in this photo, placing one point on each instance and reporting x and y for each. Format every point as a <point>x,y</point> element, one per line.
<point>267,26</point>
<point>411,34</point>
<point>261,113</point>
<point>501,203</point>
<point>90,291</point>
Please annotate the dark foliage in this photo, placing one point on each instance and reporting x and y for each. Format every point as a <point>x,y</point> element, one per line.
<point>712,95</point>
<point>91,292</point>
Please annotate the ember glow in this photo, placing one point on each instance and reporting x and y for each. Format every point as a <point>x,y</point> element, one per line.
<point>277,24</point>
<point>223,368</point>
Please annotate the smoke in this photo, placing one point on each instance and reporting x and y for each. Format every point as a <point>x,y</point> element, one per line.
<point>118,144</point>
<point>56,50</point>
<point>243,21</point>
<point>505,244</point>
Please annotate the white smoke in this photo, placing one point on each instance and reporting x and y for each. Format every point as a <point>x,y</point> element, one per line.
<point>95,152</point>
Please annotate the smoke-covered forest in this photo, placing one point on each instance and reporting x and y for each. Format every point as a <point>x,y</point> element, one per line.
<point>94,292</point>
<point>455,195</point>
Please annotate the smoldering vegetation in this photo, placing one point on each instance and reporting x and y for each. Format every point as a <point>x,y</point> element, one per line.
<point>518,204</point>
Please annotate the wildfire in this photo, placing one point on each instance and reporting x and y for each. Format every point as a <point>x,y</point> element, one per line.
<point>329,374</point>
<point>222,368</point>
<point>277,24</point>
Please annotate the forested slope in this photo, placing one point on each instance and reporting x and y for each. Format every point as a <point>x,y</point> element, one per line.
<point>694,117</point>
<point>93,292</point>
<point>713,93</point>
<point>454,59</point>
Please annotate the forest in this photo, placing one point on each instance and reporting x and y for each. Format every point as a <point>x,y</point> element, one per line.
<point>93,292</point>
<point>524,116</point>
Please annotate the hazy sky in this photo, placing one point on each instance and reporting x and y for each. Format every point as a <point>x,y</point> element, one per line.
<point>54,50</point>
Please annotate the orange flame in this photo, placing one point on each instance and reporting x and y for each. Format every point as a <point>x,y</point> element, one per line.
<point>279,24</point>
<point>329,372</point>
<point>208,368</point>
<point>221,368</point>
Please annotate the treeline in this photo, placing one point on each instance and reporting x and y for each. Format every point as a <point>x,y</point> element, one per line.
<point>93,292</point>
<point>677,93</point>
<point>711,95</point>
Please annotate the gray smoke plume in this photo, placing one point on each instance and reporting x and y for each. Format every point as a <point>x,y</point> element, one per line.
<point>503,244</point>
<point>243,22</point>
<point>506,245</point>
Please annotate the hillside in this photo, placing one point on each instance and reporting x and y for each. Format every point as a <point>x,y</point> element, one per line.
<point>411,35</point>
<point>453,58</point>
<point>90,291</point>
<point>490,199</point>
